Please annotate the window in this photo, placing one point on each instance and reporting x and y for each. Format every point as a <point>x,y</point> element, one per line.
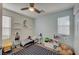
<point>6,27</point>
<point>64,25</point>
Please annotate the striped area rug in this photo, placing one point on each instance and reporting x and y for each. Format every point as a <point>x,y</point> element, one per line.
<point>34,50</point>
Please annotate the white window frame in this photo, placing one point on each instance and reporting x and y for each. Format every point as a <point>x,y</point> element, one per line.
<point>8,27</point>
<point>64,26</point>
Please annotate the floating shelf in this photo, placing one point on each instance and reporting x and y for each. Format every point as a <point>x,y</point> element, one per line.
<point>17,23</point>
<point>16,28</point>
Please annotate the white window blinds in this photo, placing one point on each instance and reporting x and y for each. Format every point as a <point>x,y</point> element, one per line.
<point>6,27</point>
<point>64,25</point>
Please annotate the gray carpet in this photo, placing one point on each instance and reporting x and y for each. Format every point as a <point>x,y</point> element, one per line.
<point>34,50</point>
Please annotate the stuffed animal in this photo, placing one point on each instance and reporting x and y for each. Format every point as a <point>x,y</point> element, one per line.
<point>64,49</point>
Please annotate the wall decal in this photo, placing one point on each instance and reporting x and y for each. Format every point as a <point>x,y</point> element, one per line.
<point>25,23</point>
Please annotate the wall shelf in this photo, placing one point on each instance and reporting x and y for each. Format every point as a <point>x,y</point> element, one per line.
<point>16,29</point>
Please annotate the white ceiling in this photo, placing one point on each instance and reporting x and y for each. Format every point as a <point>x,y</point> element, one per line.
<point>48,7</point>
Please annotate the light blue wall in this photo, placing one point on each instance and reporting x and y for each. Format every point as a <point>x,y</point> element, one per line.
<point>0,25</point>
<point>47,24</point>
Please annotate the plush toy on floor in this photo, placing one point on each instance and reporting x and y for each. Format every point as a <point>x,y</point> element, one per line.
<point>64,49</point>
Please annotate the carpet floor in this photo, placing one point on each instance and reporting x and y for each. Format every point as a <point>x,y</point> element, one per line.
<point>33,50</point>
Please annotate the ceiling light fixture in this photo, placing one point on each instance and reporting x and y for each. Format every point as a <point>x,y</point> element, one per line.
<point>31,8</point>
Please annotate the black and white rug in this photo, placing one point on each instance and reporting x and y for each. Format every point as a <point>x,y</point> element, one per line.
<point>34,50</point>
